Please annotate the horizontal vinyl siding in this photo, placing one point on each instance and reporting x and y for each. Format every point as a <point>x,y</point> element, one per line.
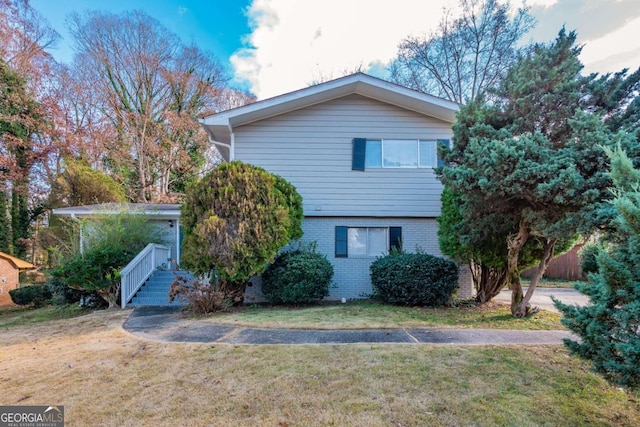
<point>312,149</point>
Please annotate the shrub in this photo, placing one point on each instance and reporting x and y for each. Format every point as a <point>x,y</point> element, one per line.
<point>235,220</point>
<point>588,263</point>
<point>202,297</point>
<point>608,326</point>
<point>61,293</point>
<point>111,242</point>
<point>38,295</point>
<point>414,279</point>
<point>299,276</point>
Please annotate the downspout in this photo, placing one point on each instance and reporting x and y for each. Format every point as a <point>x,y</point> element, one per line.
<point>232,148</point>
<point>214,142</point>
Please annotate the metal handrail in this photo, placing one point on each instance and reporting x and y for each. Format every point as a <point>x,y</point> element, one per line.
<point>133,276</point>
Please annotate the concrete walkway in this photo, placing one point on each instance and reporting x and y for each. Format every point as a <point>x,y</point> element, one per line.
<point>542,297</point>
<point>168,324</point>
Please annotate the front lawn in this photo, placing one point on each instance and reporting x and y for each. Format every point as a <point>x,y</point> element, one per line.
<point>16,315</point>
<point>369,314</point>
<point>105,376</point>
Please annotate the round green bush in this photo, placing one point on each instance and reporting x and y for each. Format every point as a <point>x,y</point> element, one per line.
<point>37,295</point>
<point>297,277</point>
<point>588,262</point>
<point>414,279</point>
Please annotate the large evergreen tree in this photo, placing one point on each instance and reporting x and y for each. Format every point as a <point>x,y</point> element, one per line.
<point>609,326</point>
<point>530,158</point>
<point>19,118</point>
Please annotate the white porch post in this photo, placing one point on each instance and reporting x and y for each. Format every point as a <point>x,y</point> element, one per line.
<point>177,242</point>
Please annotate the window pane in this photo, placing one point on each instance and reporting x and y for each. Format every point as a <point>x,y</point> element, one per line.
<point>374,154</point>
<point>428,154</point>
<point>400,154</point>
<point>377,241</point>
<point>357,241</point>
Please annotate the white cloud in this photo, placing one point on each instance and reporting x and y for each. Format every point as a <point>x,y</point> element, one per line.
<point>614,51</point>
<point>295,42</point>
<point>543,3</point>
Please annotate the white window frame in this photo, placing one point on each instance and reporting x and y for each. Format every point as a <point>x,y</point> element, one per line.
<point>367,246</point>
<point>418,164</point>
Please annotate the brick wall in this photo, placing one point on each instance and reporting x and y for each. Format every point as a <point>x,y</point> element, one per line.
<point>8,281</point>
<point>351,275</point>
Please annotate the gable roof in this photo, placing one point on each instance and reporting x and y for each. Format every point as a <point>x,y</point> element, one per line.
<point>220,126</point>
<point>161,210</point>
<point>17,262</point>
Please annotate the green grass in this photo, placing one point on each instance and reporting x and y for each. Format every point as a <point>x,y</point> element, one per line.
<point>369,314</point>
<point>16,316</point>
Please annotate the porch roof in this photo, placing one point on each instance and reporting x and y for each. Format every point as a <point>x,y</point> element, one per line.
<point>159,210</point>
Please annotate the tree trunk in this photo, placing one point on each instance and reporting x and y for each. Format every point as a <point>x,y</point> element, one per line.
<point>523,309</point>
<point>488,281</point>
<point>515,243</point>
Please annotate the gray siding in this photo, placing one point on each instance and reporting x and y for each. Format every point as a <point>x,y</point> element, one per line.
<point>312,148</point>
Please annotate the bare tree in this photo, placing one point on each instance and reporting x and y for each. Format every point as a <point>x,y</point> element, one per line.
<point>24,36</point>
<point>466,54</point>
<point>149,86</point>
<point>229,98</point>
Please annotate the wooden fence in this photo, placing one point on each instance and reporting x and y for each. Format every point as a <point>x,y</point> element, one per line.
<point>564,267</point>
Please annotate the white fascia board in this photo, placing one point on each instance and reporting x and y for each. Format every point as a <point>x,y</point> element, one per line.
<point>80,212</point>
<point>221,125</point>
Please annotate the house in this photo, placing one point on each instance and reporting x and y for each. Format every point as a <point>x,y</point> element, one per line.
<point>361,152</point>
<point>10,269</point>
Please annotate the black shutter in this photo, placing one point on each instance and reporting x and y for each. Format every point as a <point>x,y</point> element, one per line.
<point>341,242</point>
<point>395,238</point>
<point>446,143</point>
<point>359,154</point>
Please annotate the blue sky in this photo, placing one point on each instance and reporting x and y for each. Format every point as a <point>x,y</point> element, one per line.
<point>275,46</point>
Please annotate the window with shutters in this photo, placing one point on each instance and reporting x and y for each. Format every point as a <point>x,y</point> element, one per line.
<point>366,241</point>
<point>396,153</point>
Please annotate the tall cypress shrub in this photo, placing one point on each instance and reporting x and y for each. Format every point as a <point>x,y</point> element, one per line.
<point>609,327</point>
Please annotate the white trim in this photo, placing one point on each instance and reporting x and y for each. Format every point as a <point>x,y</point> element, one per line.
<point>221,125</point>
<point>151,210</point>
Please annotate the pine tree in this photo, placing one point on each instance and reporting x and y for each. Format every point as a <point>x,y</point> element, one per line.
<point>531,158</point>
<point>609,327</point>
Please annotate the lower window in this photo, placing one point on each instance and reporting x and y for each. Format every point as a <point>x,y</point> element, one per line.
<point>366,241</point>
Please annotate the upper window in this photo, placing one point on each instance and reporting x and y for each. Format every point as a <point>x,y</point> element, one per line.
<point>400,153</point>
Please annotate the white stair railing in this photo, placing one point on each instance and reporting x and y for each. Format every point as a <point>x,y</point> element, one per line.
<point>133,276</point>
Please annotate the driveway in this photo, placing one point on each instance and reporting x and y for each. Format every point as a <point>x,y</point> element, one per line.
<point>542,297</point>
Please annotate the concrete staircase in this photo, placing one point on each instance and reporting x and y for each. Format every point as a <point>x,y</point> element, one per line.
<point>155,291</point>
